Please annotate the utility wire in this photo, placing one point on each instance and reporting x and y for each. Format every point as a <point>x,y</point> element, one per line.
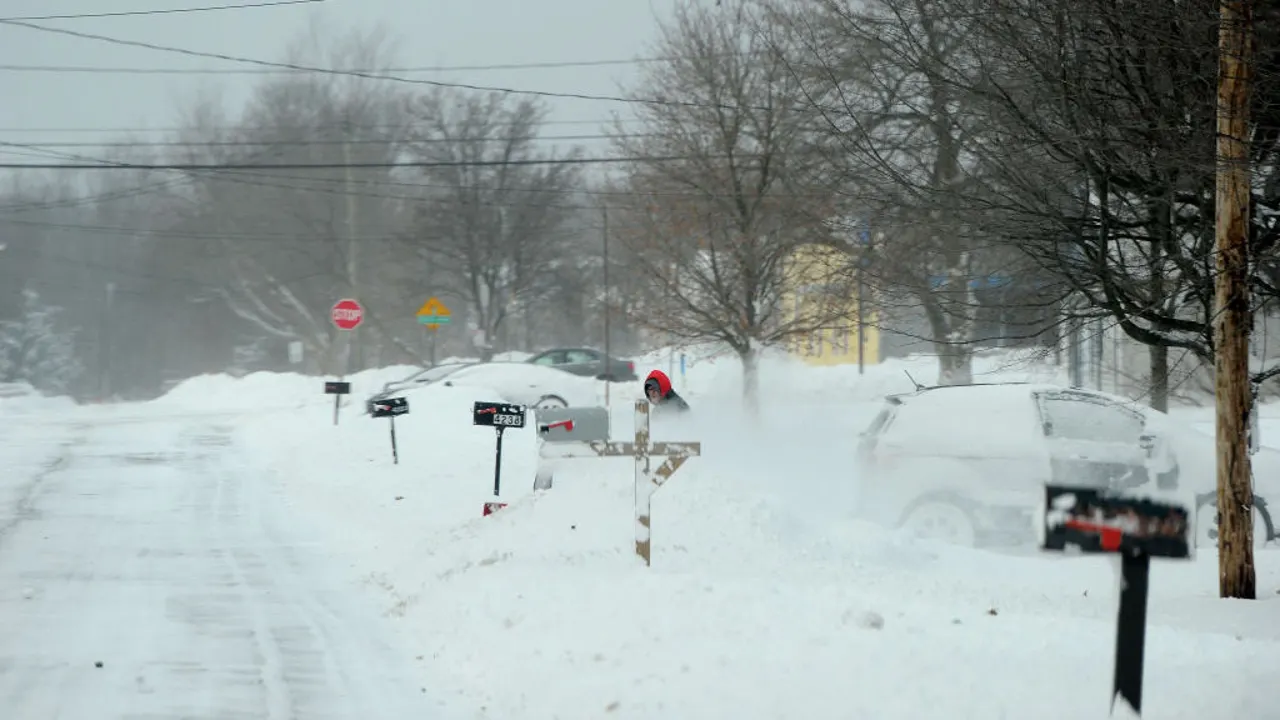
<point>306,143</point>
<point>366,75</point>
<point>505,67</point>
<point>307,128</point>
<point>356,165</point>
<point>163,11</point>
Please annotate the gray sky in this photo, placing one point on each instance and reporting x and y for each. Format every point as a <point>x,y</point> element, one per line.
<point>41,106</point>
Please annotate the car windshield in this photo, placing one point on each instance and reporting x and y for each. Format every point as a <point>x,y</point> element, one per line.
<point>433,374</point>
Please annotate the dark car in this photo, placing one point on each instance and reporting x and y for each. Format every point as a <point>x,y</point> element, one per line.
<point>587,362</point>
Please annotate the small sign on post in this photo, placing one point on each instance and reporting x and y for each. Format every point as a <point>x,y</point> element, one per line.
<point>347,314</point>
<point>337,389</point>
<point>1097,521</point>
<point>390,408</point>
<point>433,314</point>
<point>498,416</point>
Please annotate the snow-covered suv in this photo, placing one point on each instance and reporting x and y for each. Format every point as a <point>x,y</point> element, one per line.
<point>968,463</point>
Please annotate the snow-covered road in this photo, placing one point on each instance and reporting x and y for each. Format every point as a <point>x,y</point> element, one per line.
<point>144,573</point>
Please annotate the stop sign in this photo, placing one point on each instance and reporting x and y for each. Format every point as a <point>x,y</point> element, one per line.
<point>347,314</point>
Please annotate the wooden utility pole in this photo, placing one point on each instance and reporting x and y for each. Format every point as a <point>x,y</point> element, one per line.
<point>1232,317</point>
<point>608,358</point>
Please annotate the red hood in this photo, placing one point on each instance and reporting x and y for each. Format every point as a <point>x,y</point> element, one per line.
<point>664,382</point>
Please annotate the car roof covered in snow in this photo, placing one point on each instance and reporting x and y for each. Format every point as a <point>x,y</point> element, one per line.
<point>982,418</point>
<point>1007,391</point>
<point>961,393</point>
<point>995,419</point>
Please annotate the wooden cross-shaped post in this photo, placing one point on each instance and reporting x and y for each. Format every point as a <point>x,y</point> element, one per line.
<point>647,480</point>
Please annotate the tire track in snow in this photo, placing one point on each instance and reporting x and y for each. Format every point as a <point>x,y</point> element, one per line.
<point>312,662</point>
<point>23,507</point>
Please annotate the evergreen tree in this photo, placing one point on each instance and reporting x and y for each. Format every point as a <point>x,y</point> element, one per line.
<point>35,351</point>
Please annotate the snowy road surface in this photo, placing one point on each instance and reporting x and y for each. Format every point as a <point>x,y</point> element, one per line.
<point>147,549</point>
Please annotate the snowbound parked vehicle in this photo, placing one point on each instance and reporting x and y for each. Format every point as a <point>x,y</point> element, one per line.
<point>968,463</point>
<point>534,386</point>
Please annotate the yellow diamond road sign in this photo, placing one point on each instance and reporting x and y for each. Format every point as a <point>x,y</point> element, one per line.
<point>433,313</point>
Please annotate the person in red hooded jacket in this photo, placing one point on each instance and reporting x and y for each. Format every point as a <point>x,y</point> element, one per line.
<point>657,387</point>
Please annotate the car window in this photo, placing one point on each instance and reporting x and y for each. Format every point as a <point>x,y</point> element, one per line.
<point>880,420</point>
<point>580,356</point>
<point>433,374</point>
<point>1080,417</point>
<point>554,357</point>
<point>868,437</point>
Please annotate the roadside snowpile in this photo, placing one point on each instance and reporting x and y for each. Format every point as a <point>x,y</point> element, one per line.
<point>712,372</point>
<point>763,595</point>
<point>21,398</point>
<point>267,391</point>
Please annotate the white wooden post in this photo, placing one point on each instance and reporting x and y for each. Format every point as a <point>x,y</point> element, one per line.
<point>647,480</point>
<point>644,490</point>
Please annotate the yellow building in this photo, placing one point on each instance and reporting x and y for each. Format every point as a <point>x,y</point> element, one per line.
<point>820,292</point>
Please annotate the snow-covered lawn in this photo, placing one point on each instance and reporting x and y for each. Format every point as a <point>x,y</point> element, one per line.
<point>764,599</point>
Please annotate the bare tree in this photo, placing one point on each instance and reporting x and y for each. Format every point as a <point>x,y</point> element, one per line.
<point>721,212</point>
<point>1098,158</point>
<point>898,131</point>
<point>283,245</point>
<point>494,205</point>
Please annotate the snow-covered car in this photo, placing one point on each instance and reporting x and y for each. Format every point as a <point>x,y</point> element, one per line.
<point>1198,478</point>
<point>534,386</point>
<point>426,376</point>
<point>968,463</point>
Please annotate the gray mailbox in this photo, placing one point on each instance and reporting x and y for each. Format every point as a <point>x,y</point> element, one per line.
<point>560,430</point>
<point>561,425</point>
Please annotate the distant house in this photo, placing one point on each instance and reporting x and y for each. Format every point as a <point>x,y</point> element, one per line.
<point>819,287</point>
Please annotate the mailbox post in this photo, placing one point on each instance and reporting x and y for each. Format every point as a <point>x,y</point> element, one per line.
<point>498,416</point>
<point>647,478</point>
<point>337,389</point>
<point>1138,529</point>
<point>390,408</point>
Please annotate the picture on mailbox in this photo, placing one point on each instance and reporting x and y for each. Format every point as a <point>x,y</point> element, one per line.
<point>1097,521</point>
<point>498,415</point>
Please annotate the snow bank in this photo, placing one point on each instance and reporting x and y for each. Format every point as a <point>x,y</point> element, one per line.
<point>714,372</point>
<point>22,399</point>
<point>267,390</point>
<point>763,595</point>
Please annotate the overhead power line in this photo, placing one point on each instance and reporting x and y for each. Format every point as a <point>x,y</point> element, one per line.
<point>364,75</point>
<point>506,67</point>
<point>163,11</point>
<point>305,143</point>
<point>308,128</point>
<point>343,166</point>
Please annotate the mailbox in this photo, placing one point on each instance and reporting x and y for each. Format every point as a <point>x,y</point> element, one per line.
<point>566,425</point>
<point>1096,521</point>
<point>389,407</point>
<point>564,432</point>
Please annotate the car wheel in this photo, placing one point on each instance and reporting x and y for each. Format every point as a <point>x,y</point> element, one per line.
<point>941,520</point>
<point>550,401</point>
<point>1207,526</point>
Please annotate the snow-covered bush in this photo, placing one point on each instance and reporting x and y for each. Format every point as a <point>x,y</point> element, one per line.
<point>34,350</point>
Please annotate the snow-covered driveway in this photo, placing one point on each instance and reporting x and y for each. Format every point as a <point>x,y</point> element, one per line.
<point>144,573</point>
